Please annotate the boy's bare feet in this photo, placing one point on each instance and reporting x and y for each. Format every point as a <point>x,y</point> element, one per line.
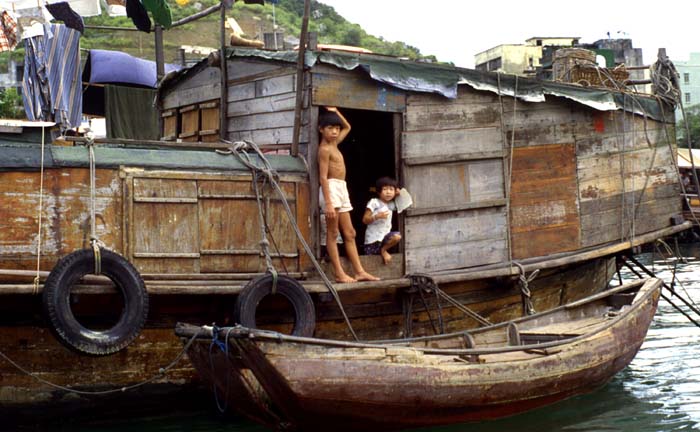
<point>364,276</point>
<point>344,278</point>
<point>386,256</point>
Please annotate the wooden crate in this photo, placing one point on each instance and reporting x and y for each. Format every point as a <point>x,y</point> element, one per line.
<point>210,121</point>
<point>189,121</point>
<point>170,131</point>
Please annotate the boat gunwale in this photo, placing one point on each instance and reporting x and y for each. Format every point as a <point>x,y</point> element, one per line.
<point>649,287</point>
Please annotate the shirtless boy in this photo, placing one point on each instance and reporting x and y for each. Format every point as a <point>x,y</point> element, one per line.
<point>333,196</point>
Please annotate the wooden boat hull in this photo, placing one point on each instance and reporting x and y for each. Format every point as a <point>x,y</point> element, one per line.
<point>374,313</point>
<point>309,386</point>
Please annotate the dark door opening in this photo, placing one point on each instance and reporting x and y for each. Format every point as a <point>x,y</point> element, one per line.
<point>369,154</point>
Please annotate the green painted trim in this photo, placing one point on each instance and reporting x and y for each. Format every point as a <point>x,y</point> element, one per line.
<point>15,157</point>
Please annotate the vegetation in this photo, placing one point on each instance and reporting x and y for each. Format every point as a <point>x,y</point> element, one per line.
<point>254,19</point>
<point>692,118</point>
<point>11,104</point>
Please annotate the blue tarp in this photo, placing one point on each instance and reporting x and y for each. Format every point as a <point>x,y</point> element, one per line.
<point>105,66</point>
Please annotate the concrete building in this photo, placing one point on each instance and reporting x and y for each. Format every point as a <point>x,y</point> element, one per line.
<point>689,79</point>
<point>521,59</point>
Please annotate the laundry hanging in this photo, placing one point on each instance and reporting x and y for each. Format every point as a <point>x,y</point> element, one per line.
<point>62,12</point>
<point>9,31</point>
<point>51,88</point>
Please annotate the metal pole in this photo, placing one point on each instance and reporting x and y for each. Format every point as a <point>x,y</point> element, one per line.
<point>223,103</point>
<point>300,77</point>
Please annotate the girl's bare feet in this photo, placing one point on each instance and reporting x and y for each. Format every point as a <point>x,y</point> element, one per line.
<point>386,256</point>
<point>364,276</point>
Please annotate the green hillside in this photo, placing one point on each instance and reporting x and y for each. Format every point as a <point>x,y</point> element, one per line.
<point>254,19</point>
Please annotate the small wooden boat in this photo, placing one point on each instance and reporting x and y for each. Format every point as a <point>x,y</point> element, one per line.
<point>500,370</point>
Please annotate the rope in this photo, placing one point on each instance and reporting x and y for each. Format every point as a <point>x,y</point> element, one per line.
<point>507,163</point>
<point>524,282</point>
<point>223,346</point>
<point>95,242</point>
<point>161,372</point>
<point>668,300</point>
<point>428,280</point>
<point>35,289</point>
<point>237,149</point>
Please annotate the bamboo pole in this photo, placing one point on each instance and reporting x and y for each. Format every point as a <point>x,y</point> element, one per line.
<point>223,103</point>
<point>300,77</point>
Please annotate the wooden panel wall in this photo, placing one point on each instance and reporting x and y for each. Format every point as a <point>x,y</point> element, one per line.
<point>200,87</point>
<point>332,86</point>
<point>196,222</point>
<point>453,166</point>
<point>544,210</point>
<point>65,214</point>
<point>261,100</point>
<point>627,183</point>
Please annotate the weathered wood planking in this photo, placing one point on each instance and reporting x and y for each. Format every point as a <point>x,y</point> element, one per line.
<point>441,185</point>
<point>282,135</point>
<point>262,109</point>
<point>244,68</point>
<point>544,211</point>
<point>626,181</point>
<point>452,115</point>
<point>452,143</point>
<point>165,229</point>
<point>206,224</point>
<point>454,240</point>
<point>65,214</point>
<point>202,86</point>
<point>350,90</point>
<point>263,104</point>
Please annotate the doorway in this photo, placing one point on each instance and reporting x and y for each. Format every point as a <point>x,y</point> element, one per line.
<point>369,152</point>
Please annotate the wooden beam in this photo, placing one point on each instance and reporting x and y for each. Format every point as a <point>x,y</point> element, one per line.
<point>453,208</point>
<point>223,114</point>
<point>300,77</point>
<point>429,160</point>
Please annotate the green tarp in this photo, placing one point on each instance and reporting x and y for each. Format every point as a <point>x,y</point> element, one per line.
<point>444,80</point>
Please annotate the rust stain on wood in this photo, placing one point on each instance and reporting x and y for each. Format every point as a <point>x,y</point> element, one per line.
<point>544,211</point>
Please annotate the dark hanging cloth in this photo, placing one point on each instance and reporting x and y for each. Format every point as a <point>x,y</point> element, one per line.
<point>63,12</point>
<point>139,15</point>
<point>130,113</point>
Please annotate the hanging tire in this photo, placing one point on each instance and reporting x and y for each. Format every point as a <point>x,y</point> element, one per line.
<point>63,324</point>
<point>260,287</point>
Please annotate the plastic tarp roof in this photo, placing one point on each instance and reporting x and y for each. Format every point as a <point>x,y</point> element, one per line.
<point>684,158</point>
<point>103,66</point>
<point>444,80</point>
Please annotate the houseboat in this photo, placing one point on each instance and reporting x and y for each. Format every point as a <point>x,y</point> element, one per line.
<point>524,195</point>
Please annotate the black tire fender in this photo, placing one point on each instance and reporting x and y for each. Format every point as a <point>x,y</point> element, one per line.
<point>63,324</point>
<point>260,287</point>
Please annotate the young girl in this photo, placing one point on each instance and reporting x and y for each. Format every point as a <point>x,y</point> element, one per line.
<point>379,237</point>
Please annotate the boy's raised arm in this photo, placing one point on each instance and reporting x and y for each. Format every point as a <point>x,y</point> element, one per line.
<point>345,130</point>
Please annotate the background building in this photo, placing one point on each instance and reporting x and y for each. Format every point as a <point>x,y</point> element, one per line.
<point>689,79</point>
<point>519,59</point>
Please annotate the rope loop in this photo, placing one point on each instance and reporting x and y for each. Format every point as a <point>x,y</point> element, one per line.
<point>524,282</point>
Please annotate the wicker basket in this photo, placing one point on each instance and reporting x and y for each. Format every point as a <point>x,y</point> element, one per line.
<point>598,77</point>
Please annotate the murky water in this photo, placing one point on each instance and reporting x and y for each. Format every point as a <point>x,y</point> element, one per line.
<point>659,391</point>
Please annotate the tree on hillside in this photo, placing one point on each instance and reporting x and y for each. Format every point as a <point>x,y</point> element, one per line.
<point>692,118</point>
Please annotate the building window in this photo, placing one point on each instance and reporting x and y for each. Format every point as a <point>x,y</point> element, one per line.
<point>494,64</point>
<point>687,98</point>
<point>484,67</point>
<point>539,42</point>
<point>686,78</point>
